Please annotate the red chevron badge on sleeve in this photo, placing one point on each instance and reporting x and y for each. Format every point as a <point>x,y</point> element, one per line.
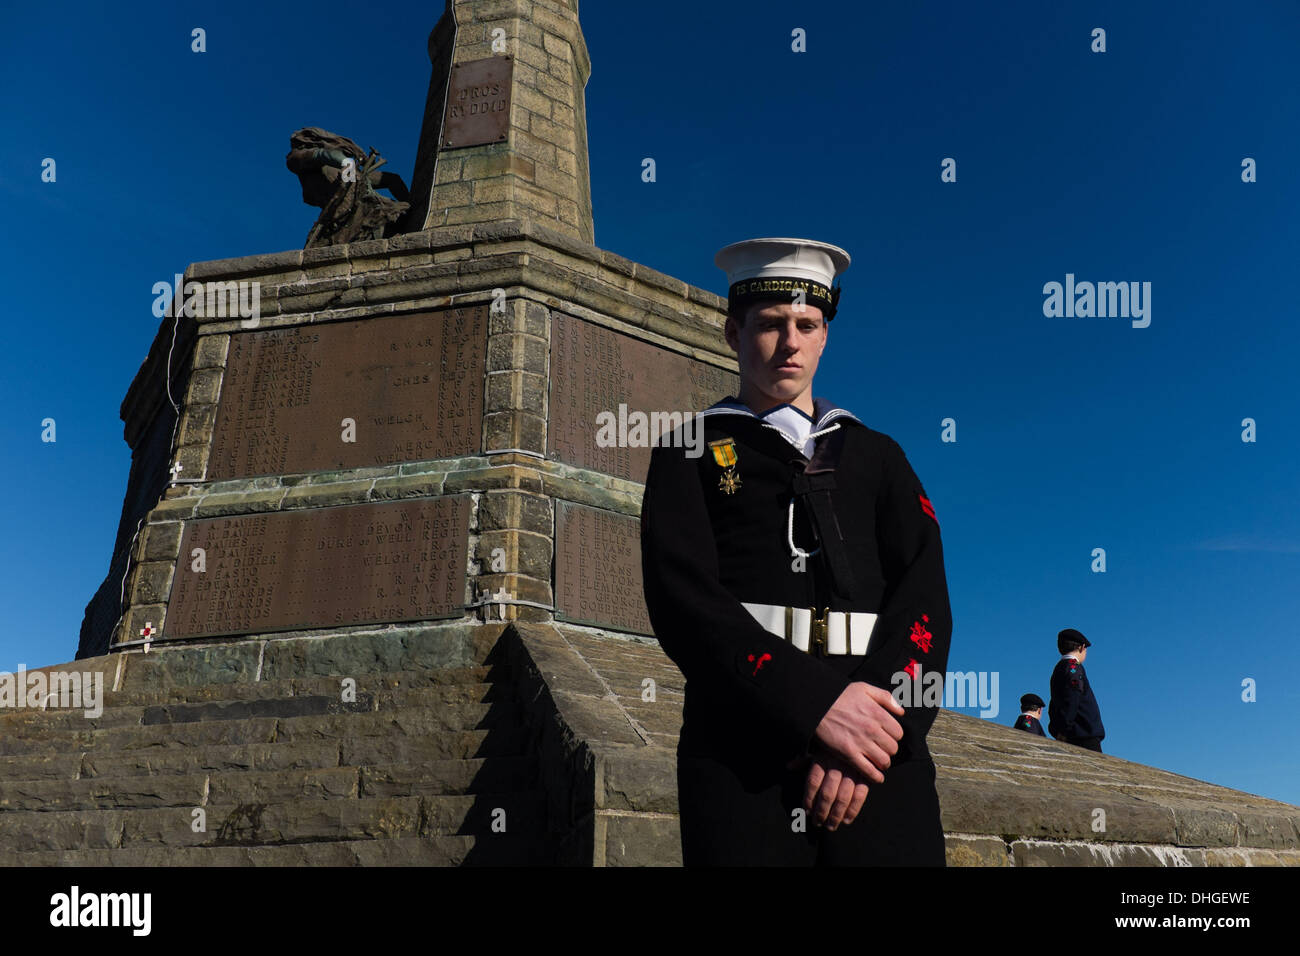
<point>920,635</point>
<point>928,508</point>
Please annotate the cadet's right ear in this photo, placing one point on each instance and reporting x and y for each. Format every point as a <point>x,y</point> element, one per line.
<point>731,332</point>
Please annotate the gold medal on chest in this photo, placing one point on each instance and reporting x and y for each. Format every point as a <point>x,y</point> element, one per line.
<point>724,453</point>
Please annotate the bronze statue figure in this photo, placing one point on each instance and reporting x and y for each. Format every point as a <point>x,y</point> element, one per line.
<point>351,210</point>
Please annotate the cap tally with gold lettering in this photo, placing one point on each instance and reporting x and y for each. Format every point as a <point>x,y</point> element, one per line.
<point>774,270</point>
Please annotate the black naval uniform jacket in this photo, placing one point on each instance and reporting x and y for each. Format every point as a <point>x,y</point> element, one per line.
<point>1030,723</point>
<point>1073,711</point>
<point>753,700</point>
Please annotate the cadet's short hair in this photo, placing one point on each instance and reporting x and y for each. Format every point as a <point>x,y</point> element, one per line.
<point>739,314</point>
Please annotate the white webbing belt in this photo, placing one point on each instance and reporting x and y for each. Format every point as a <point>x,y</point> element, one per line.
<point>846,632</point>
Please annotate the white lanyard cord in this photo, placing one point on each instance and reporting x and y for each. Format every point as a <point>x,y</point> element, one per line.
<point>795,550</point>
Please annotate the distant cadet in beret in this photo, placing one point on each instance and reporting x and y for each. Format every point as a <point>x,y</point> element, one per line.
<point>1031,715</point>
<point>794,573</point>
<point>1073,715</point>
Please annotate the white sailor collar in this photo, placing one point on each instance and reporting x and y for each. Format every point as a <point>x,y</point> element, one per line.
<point>824,411</point>
<point>794,424</point>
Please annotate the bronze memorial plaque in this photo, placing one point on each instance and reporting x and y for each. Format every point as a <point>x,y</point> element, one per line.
<point>412,384</point>
<point>596,370</point>
<point>322,567</point>
<point>478,103</point>
<point>598,569</point>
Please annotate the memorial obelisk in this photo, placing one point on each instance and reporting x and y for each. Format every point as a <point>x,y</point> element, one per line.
<point>409,431</point>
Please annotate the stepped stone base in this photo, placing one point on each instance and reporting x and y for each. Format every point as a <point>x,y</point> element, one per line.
<point>507,744</point>
<point>406,746</point>
<point>1008,799</point>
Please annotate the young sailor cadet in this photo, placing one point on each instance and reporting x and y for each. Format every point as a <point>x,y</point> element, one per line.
<point>1031,715</point>
<point>794,573</point>
<point>1073,714</point>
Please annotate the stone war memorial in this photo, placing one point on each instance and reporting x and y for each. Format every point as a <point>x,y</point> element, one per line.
<point>375,595</point>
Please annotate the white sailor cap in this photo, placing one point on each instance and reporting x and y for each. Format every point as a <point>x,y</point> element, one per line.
<point>773,269</point>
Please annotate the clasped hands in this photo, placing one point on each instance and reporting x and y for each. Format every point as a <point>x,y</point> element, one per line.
<point>853,746</point>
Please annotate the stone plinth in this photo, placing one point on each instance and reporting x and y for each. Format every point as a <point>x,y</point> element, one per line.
<point>340,396</point>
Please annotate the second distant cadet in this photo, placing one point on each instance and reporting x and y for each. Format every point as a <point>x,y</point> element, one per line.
<point>1031,715</point>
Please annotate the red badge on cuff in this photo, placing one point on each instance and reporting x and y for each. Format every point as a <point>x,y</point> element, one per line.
<point>921,635</point>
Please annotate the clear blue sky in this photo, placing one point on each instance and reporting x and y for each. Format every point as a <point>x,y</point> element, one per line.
<point>1073,433</point>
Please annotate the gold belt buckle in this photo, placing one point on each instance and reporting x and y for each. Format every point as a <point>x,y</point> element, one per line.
<point>817,631</point>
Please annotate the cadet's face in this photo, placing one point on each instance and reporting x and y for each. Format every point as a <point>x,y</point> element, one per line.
<point>778,349</point>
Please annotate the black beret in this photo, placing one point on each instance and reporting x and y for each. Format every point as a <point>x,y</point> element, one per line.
<point>1070,638</point>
